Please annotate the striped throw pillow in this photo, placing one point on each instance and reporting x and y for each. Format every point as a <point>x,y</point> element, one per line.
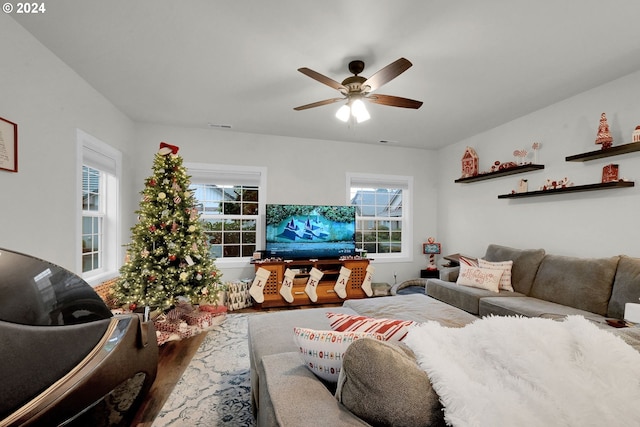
<point>390,329</point>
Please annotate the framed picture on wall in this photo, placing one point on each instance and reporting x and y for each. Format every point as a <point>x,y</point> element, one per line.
<point>8,145</point>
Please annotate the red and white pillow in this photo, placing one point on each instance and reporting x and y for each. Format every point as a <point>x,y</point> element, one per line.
<point>322,351</point>
<point>505,266</point>
<point>390,329</point>
<point>476,277</point>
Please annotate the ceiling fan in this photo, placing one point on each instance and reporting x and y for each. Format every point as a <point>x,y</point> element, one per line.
<point>356,88</point>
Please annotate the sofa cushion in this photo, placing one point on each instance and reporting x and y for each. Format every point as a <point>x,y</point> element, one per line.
<point>533,307</point>
<point>525,264</point>
<point>583,283</point>
<point>390,329</point>
<point>322,351</point>
<point>293,396</point>
<point>626,286</point>
<point>463,297</point>
<point>382,383</point>
<point>417,307</point>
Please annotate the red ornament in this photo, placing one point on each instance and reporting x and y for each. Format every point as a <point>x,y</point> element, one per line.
<point>172,257</point>
<point>152,278</point>
<point>132,306</point>
<point>152,228</point>
<point>152,183</point>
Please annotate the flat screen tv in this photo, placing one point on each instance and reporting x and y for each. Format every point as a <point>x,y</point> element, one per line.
<point>310,231</point>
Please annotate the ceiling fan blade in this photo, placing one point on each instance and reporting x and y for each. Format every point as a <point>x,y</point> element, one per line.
<point>387,74</point>
<point>318,104</point>
<point>321,78</point>
<point>394,101</point>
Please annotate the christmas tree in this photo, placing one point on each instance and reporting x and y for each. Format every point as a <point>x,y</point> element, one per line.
<point>168,257</point>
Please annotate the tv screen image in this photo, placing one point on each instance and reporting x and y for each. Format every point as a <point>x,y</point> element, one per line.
<point>310,231</point>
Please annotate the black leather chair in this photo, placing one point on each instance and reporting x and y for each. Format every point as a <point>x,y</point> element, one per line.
<point>62,352</point>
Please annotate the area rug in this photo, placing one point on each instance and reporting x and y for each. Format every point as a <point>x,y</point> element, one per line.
<point>215,389</point>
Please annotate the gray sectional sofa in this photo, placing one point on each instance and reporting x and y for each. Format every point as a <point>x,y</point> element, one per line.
<point>286,393</point>
<point>548,285</point>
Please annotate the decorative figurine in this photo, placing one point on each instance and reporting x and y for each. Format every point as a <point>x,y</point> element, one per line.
<point>535,147</point>
<point>431,248</point>
<point>604,137</point>
<point>610,173</point>
<point>469,163</point>
<point>555,184</point>
<point>635,137</point>
<point>523,186</point>
<point>521,154</point>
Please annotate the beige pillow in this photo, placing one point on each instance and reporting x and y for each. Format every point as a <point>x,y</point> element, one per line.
<point>381,383</point>
<point>505,266</point>
<point>483,278</point>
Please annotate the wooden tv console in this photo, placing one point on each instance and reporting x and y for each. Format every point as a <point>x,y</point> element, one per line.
<point>324,290</point>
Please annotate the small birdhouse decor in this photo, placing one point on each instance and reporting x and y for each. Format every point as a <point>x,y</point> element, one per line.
<point>469,163</point>
<point>610,173</point>
<point>604,137</point>
<point>635,136</point>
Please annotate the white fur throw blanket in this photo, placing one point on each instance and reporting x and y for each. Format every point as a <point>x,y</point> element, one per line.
<point>512,371</point>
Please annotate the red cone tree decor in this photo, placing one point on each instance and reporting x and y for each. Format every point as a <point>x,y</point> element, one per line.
<point>604,137</point>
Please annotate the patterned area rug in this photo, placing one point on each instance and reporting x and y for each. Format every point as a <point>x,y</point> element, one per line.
<point>215,389</point>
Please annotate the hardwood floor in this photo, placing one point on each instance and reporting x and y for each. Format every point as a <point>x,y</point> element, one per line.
<point>174,359</point>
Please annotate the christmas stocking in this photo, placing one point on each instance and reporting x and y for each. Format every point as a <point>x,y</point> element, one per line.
<point>341,284</point>
<point>258,284</point>
<point>287,285</point>
<point>366,283</point>
<point>312,283</point>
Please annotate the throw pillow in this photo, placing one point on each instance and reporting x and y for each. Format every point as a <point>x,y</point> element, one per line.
<point>483,278</point>
<point>505,266</point>
<point>322,351</point>
<point>468,261</point>
<point>381,383</point>
<point>392,330</point>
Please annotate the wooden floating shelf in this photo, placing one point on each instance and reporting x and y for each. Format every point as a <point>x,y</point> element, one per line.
<point>607,152</point>
<point>574,189</point>
<point>497,174</point>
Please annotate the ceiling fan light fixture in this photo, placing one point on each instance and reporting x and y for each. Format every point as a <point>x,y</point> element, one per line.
<point>359,111</point>
<point>354,111</point>
<point>344,113</point>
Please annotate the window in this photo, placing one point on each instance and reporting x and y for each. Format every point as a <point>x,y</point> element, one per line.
<point>98,225</point>
<point>230,202</point>
<point>92,218</point>
<point>383,225</point>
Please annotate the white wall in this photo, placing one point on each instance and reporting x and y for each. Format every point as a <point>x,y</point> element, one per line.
<point>307,172</point>
<point>49,101</point>
<point>592,224</point>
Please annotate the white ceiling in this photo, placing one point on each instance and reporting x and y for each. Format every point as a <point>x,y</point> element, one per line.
<point>476,64</point>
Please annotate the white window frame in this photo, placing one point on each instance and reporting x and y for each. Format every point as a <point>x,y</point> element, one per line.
<point>365,180</point>
<point>98,155</point>
<point>219,174</point>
